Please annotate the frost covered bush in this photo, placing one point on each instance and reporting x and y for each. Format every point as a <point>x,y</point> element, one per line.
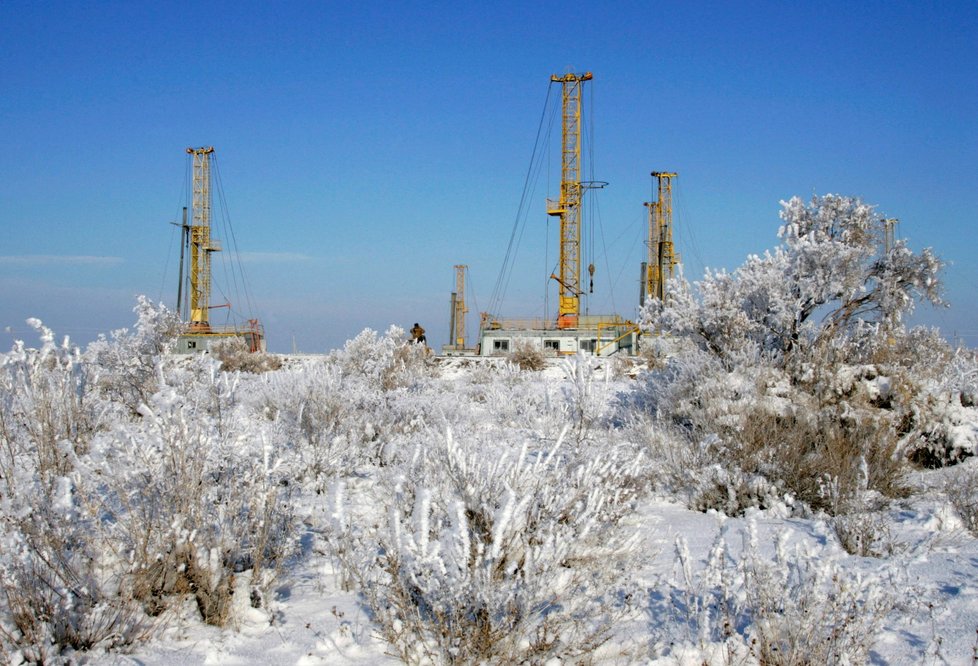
<point>54,593</point>
<point>234,355</point>
<point>127,360</point>
<point>527,357</point>
<point>47,415</point>
<point>793,606</point>
<point>798,361</point>
<point>492,554</point>
<point>940,421</point>
<point>384,362</point>
<point>585,396</point>
<point>203,498</point>
<point>962,491</point>
<point>335,424</point>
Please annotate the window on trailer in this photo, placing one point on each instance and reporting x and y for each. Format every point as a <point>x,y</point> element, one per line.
<point>500,345</point>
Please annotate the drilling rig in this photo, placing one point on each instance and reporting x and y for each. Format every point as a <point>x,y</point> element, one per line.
<point>573,331</point>
<point>198,332</point>
<point>201,243</point>
<point>456,335</point>
<point>662,260</point>
<point>568,207</point>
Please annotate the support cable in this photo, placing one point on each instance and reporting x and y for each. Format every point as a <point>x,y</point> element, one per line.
<point>505,273</point>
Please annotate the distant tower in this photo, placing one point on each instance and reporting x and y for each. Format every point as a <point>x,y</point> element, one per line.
<point>568,208</point>
<point>662,259</point>
<point>201,243</point>
<point>458,308</point>
<point>889,233</point>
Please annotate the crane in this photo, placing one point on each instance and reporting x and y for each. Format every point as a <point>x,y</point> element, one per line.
<point>662,259</point>
<point>568,207</point>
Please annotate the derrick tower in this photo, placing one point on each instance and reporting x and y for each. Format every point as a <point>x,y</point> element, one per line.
<point>201,243</point>
<point>568,207</point>
<point>458,308</point>
<point>662,259</point>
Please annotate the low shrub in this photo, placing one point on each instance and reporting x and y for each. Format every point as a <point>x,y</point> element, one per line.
<point>527,357</point>
<point>234,355</point>
<point>495,555</point>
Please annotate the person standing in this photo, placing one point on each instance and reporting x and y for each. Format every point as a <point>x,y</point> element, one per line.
<point>417,334</point>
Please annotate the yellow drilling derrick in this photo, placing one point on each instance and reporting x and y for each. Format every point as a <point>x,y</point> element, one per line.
<point>200,333</point>
<point>201,243</point>
<point>662,259</point>
<point>458,308</point>
<point>568,207</point>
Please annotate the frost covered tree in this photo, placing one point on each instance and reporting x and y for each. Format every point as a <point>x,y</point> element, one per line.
<point>828,279</point>
<point>796,369</point>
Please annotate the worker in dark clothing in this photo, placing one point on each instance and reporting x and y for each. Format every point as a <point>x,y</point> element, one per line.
<point>417,334</point>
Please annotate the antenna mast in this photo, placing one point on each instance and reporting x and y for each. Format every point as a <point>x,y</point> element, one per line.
<point>568,208</point>
<point>201,243</point>
<point>662,258</point>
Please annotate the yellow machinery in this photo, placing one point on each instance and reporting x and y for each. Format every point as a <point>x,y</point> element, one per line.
<point>201,243</point>
<point>568,208</point>
<point>662,258</point>
<point>200,332</point>
<point>575,330</point>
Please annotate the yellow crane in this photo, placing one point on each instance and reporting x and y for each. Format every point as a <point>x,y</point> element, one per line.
<point>662,258</point>
<point>568,207</point>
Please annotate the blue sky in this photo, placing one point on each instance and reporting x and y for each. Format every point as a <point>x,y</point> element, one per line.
<point>365,148</point>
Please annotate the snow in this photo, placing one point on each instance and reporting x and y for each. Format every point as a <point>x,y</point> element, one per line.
<point>355,502</point>
<point>312,619</point>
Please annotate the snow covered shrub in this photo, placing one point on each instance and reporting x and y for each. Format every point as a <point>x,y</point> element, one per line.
<point>828,269</point>
<point>805,609</point>
<point>962,491</point>
<point>781,358</point>
<point>940,414</point>
<point>494,554</point>
<point>527,357</point>
<point>127,360</point>
<point>586,397</point>
<point>234,355</point>
<point>54,596</point>
<point>203,497</point>
<point>384,362</point>
<point>797,607</point>
<point>46,411</point>
<point>335,424</point>
<point>520,399</point>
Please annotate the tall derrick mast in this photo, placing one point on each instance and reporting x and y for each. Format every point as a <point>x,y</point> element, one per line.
<point>459,310</point>
<point>662,259</point>
<point>201,243</point>
<point>568,208</point>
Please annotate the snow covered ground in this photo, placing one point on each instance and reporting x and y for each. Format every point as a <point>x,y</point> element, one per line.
<point>925,586</point>
<point>374,451</point>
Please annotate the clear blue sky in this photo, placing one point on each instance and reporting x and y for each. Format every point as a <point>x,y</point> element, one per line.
<point>367,147</point>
